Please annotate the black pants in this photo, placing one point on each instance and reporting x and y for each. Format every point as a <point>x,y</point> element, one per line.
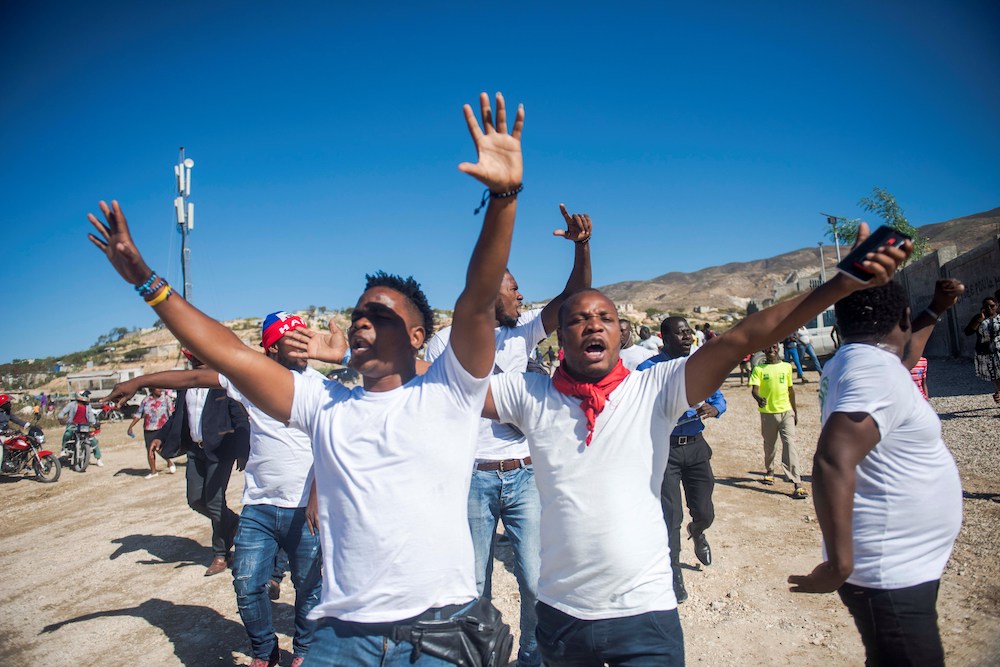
<point>206,494</point>
<point>897,626</point>
<point>689,464</point>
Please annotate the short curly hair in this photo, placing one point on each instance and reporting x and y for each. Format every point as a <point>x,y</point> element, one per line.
<point>409,288</point>
<point>872,312</point>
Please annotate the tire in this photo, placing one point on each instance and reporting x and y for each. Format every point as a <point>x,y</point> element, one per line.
<point>48,469</point>
<point>81,455</point>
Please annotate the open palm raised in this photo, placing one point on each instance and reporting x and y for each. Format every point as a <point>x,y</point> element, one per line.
<point>500,167</point>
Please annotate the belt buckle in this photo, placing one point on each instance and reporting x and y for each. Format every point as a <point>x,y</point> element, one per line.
<point>500,465</point>
<point>682,440</point>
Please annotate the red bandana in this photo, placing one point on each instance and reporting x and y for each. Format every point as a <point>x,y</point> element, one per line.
<point>594,394</point>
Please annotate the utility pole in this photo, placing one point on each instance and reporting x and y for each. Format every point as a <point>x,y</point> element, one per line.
<point>822,262</point>
<point>185,217</point>
<point>832,220</point>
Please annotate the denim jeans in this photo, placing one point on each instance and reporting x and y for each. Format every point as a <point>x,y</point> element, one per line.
<point>897,626</point>
<point>653,639</point>
<point>513,497</point>
<point>792,356</point>
<point>807,349</point>
<point>263,529</point>
<point>346,644</point>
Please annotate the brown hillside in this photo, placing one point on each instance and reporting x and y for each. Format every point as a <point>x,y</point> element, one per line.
<point>731,286</point>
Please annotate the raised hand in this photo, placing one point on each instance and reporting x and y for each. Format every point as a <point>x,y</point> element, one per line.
<point>578,226</point>
<point>881,264</point>
<point>308,344</point>
<point>946,293</point>
<point>117,245</point>
<point>500,167</point>
<point>120,393</point>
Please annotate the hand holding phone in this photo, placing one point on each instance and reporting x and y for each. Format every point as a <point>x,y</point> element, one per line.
<point>883,236</point>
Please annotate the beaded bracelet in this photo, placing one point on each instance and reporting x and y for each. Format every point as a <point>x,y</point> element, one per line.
<point>153,289</point>
<point>146,285</point>
<point>163,296</point>
<point>489,194</point>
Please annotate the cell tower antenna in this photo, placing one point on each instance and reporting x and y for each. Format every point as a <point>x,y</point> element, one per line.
<point>185,216</point>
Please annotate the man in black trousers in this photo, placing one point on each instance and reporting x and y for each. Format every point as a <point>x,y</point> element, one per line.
<point>214,430</point>
<point>689,461</point>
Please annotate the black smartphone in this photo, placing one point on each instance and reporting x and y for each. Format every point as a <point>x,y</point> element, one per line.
<point>883,236</point>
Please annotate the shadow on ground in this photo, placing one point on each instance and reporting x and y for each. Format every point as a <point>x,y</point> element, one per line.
<point>165,549</point>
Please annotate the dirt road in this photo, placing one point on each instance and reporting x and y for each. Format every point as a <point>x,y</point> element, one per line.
<point>106,568</point>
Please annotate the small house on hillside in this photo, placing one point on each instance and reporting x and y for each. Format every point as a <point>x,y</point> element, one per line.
<point>100,383</point>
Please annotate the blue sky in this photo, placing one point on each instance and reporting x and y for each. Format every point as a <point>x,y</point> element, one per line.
<point>326,138</point>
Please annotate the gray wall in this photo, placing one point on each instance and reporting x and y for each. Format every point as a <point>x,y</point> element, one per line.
<point>978,269</point>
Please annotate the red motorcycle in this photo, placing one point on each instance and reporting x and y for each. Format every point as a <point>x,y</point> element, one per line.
<point>23,452</point>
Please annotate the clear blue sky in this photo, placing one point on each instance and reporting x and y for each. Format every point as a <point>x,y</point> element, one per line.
<point>326,140</point>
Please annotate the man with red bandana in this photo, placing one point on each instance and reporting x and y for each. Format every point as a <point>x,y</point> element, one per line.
<point>598,440</point>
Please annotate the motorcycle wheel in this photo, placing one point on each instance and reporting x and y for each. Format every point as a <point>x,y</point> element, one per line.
<point>48,469</point>
<point>81,455</point>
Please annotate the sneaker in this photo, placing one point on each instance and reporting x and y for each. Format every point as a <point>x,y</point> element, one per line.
<point>297,662</point>
<point>99,463</point>
<point>800,493</point>
<point>171,469</point>
<point>152,475</point>
<point>268,662</point>
<point>767,480</point>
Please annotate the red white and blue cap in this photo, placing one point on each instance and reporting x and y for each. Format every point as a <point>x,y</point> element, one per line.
<point>277,325</point>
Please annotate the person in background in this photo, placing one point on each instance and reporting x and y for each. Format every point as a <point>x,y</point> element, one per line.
<point>985,326</point>
<point>631,355</point>
<point>75,413</point>
<point>806,348</point>
<point>771,386</point>
<point>7,417</point>
<point>154,411</point>
<point>791,347</point>
<point>919,376</point>
<point>648,340</point>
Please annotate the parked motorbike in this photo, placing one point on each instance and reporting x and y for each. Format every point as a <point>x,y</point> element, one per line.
<point>76,450</point>
<point>110,412</point>
<point>23,452</point>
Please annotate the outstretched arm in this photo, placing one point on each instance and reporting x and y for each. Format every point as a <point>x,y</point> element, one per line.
<point>946,293</point>
<point>709,366</point>
<point>264,382</point>
<point>578,229</point>
<point>199,377</point>
<point>500,169</point>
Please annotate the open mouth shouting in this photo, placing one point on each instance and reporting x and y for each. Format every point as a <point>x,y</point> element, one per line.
<point>594,349</point>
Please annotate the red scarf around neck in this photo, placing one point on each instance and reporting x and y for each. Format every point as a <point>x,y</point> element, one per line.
<point>594,394</point>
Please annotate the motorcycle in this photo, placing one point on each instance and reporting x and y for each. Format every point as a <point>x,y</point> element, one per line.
<point>76,449</point>
<point>109,412</point>
<point>23,452</point>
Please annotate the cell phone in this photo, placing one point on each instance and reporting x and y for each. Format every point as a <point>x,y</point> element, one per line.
<point>883,236</point>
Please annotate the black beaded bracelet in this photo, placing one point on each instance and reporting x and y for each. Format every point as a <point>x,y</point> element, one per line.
<point>489,194</point>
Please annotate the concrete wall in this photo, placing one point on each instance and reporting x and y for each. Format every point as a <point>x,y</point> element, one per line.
<point>978,269</point>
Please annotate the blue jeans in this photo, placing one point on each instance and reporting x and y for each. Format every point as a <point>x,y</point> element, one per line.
<point>792,356</point>
<point>346,644</point>
<point>263,529</point>
<point>653,639</point>
<point>513,497</point>
<point>807,349</point>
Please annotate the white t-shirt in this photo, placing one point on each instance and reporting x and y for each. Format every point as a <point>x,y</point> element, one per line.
<point>498,441</point>
<point>803,335</point>
<point>605,550</point>
<point>652,343</point>
<point>908,498</point>
<point>634,355</point>
<point>279,469</point>
<point>392,481</point>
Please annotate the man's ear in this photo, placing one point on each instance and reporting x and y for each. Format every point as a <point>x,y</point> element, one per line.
<point>417,337</point>
<point>904,321</point>
<point>272,350</point>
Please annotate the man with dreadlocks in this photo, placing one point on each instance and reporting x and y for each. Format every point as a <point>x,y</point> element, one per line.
<point>391,458</point>
<point>886,489</point>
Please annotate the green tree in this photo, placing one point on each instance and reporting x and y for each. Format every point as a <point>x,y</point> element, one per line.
<point>882,203</point>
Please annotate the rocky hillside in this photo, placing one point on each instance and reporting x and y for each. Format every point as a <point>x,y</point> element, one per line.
<point>731,286</point>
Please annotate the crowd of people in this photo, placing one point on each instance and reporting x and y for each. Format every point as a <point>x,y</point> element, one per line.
<point>385,499</point>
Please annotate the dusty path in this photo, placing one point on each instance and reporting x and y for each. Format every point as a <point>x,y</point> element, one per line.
<point>106,568</point>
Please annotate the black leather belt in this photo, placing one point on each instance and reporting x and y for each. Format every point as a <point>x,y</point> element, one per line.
<point>400,631</point>
<point>684,439</point>
<point>505,465</point>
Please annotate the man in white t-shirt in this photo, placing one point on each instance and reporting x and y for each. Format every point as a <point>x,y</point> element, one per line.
<point>649,340</point>
<point>605,592</point>
<point>278,477</point>
<point>503,478</point>
<point>886,488</point>
<point>391,458</point>
<point>632,354</point>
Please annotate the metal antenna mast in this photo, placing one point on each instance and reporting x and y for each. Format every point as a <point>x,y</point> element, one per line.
<point>185,216</point>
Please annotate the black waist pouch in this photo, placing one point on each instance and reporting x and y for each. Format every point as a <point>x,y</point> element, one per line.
<point>478,638</point>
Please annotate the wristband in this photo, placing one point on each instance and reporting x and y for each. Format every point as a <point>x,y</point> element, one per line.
<point>930,311</point>
<point>161,297</point>
<point>153,289</point>
<point>489,194</point>
<point>146,285</point>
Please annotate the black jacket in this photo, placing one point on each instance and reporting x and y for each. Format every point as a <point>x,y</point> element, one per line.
<point>225,429</point>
